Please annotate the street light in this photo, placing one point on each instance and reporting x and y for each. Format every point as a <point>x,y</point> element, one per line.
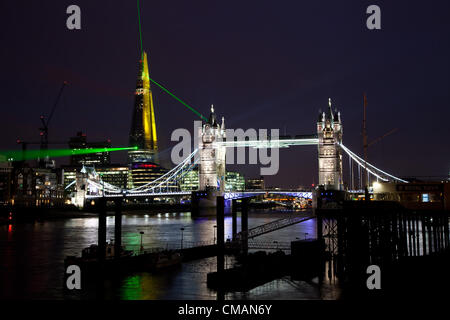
<point>214,233</point>
<point>182,229</point>
<point>142,233</point>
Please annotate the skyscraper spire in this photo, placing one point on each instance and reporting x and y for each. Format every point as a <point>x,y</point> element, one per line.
<point>143,126</point>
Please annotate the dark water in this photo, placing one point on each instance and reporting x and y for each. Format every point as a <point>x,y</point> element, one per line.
<point>32,256</point>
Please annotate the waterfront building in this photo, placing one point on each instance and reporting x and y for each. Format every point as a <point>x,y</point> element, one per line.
<point>37,187</point>
<point>5,182</point>
<point>114,174</point>
<point>141,173</point>
<point>234,181</point>
<point>418,195</point>
<point>190,181</point>
<point>255,183</point>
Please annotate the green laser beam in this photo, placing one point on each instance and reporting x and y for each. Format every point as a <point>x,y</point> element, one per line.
<point>20,155</point>
<point>167,91</point>
<point>179,100</point>
<point>140,30</point>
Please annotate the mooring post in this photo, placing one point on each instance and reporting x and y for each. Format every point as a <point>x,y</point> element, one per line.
<point>220,209</point>
<point>118,228</point>
<point>101,229</point>
<point>322,244</point>
<point>446,230</point>
<point>234,219</point>
<point>244,226</point>
<point>424,241</point>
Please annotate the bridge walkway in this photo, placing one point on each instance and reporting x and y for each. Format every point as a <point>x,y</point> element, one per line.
<point>274,225</point>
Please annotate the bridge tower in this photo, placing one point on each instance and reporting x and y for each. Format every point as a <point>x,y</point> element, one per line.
<point>211,172</point>
<point>81,187</point>
<point>329,131</point>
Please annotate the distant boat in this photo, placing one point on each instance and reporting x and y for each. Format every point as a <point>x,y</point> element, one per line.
<point>167,259</point>
<point>128,260</point>
<point>91,252</point>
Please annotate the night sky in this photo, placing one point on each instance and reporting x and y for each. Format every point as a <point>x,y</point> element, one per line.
<point>263,64</point>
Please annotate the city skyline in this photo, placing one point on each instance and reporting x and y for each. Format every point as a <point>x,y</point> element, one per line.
<point>225,158</point>
<point>249,71</point>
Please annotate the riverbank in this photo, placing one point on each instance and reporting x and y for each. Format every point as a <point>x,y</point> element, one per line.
<point>31,214</point>
<point>12,214</point>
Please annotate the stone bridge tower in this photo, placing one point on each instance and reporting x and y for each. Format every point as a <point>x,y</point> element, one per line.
<point>329,131</point>
<point>81,187</point>
<point>211,172</point>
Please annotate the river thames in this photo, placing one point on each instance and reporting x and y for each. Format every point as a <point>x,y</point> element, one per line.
<point>32,258</point>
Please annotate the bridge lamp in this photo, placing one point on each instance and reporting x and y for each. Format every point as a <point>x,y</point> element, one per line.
<point>376,186</point>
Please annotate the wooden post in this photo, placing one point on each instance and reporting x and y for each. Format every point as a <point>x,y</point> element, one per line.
<point>118,228</point>
<point>101,229</point>
<point>220,233</point>
<point>424,235</point>
<point>234,219</point>
<point>244,226</point>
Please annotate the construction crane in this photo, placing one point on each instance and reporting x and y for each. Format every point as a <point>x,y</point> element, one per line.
<point>366,145</point>
<point>45,123</point>
<point>382,137</point>
<point>26,143</point>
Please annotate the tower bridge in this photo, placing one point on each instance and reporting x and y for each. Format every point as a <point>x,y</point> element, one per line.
<point>210,158</point>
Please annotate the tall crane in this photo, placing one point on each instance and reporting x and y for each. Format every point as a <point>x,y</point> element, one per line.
<point>366,145</point>
<point>45,124</point>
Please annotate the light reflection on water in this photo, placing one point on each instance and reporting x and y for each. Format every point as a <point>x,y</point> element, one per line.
<point>32,257</point>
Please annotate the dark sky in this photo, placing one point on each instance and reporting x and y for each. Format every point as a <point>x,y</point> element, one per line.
<point>264,64</point>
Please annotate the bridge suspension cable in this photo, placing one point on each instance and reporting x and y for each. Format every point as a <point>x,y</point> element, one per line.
<point>369,167</point>
<point>173,175</point>
<point>165,182</point>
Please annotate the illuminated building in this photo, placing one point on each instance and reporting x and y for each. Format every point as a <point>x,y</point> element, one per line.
<point>234,181</point>
<point>143,162</point>
<point>37,187</point>
<point>117,175</point>
<point>190,181</point>
<point>98,158</point>
<point>329,131</point>
<point>255,184</point>
<point>141,173</point>
<point>143,125</point>
<point>420,195</point>
<point>5,182</point>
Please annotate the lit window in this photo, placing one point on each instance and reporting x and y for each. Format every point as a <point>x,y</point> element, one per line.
<point>425,197</point>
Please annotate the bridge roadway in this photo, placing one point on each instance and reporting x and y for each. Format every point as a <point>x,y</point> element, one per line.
<point>227,195</point>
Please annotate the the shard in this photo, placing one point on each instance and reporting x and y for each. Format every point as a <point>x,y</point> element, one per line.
<point>143,125</point>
